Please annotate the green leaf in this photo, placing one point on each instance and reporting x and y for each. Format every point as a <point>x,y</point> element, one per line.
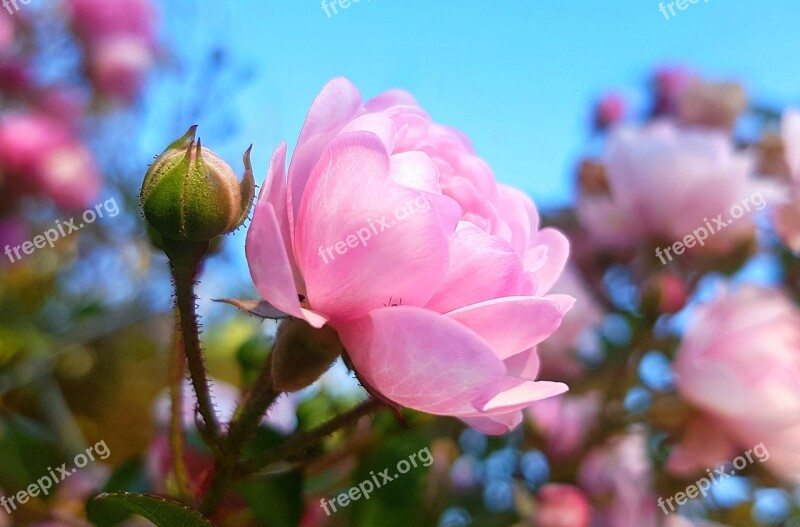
<point>131,476</point>
<point>399,502</point>
<point>161,511</point>
<point>128,477</point>
<point>28,451</point>
<point>276,500</point>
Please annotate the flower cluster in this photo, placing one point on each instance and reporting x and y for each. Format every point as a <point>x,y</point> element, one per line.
<point>678,365</point>
<point>43,152</point>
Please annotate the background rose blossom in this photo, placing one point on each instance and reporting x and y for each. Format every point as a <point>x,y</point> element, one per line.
<point>739,364</point>
<point>619,477</point>
<point>39,155</point>
<point>663,181</point>
<point>561,506</point>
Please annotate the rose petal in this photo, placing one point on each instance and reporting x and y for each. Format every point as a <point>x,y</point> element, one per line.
<point>269,265</point>
<point>482,267</point>
<point>422,360</point>
<point>513,324</point>
<point>401,254</point>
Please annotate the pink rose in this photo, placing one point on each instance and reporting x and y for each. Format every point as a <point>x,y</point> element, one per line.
<point>39,155</point>
<point>666,181</point>
<point>565,421</point>
<point>119,39</point>
<point>389,228</point>
<point>619,476</point>
<point>739,364</point>
<point>790,134</point>
<point>6,32</point>
<point>119,65</point>
<point>610,110</point>
<point>787,215</point>
<point>97,20</point>
<point>670,83</point>
<point>701,446</point>
<point>561,506</point>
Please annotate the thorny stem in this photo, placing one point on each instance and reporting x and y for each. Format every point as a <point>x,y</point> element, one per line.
<point>185,265</point>
<point>247,419</point>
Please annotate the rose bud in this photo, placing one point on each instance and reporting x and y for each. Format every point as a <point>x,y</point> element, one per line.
<point>302,353</point>
<point>191,194</point>
<point>664,293</point>
<point>609,111</point>
<point>562,506</point>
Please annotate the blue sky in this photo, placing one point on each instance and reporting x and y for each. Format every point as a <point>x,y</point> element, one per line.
<point>517,75</point>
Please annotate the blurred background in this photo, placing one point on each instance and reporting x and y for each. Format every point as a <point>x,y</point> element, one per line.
<point>91,91</point>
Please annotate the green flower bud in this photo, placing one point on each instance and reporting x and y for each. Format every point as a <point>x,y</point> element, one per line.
<point>302,353</point>
<point>191,194</point>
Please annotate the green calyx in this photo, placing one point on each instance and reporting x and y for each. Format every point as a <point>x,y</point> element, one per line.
<point>302,353</point>
<point>191,194</point>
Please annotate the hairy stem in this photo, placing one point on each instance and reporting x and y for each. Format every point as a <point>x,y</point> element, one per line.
<point>248,417</point>
<point>185,266</point>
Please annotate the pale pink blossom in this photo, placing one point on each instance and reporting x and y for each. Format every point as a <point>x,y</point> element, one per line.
<point>565,421</point>
<point>610,110</point>
<point>739,364</point>
<point>670,83</point>
<point>6,32</point>
<point>561,506</point>
<point>664,182</point>
<point>440,310</point>
<point>40,155</point>
<point>786,217</point>
<point>119,66</point>
<point>790,134</point>
<point>119,39</point>
<point>618,476</point>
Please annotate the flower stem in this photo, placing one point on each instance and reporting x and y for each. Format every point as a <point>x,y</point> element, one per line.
<point>244,425</point>
<point>185,262</point>
<point>177,370</point>
<point>303,440</point>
